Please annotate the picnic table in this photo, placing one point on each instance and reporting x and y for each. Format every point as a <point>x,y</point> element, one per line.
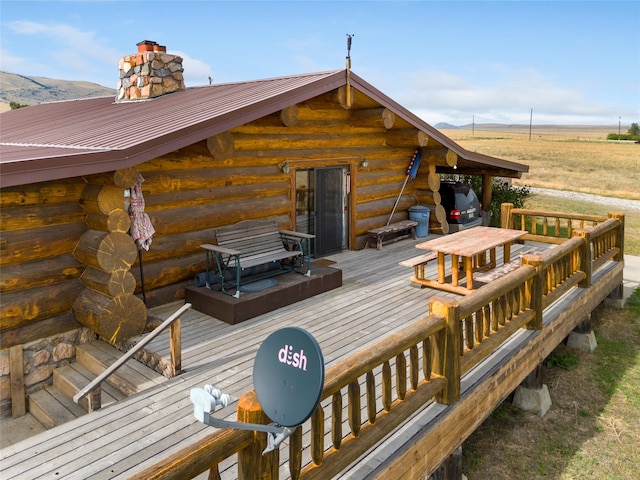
<point>469,248</point>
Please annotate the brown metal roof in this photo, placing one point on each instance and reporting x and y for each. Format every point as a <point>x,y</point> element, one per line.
<point>81,137</point>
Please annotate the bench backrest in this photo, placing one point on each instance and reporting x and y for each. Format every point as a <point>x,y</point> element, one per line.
<point>251,237</point>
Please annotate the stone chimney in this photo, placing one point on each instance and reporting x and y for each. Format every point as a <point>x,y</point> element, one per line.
<point>149,73</point>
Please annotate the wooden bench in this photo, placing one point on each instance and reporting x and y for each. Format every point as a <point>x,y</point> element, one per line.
<point>378,234</point>
<point>418,263</point>
<point>252,250</point>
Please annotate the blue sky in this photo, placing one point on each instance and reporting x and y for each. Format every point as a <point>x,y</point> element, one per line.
<point>447,61</point>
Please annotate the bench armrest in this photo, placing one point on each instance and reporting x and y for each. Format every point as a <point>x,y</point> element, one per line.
<point>290,233</point>
<point>219,249</point>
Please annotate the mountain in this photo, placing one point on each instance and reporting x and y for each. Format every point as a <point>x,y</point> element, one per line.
<point>34,90</point>
<point>445,125</point>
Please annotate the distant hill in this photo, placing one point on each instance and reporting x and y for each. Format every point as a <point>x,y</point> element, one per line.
<point>34,90</point>
<point>445,125</point>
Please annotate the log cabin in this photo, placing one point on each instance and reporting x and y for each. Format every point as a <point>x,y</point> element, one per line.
<point>323,153</point>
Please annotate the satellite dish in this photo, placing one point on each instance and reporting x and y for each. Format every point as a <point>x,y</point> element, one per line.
<point>288,376</point>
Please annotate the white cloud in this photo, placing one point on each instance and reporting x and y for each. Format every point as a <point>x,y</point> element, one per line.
<point>196,72</point>
<point>80,54</point>
<point>504,96</point>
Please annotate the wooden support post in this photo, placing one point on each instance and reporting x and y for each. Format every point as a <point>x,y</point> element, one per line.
<point>619,235</point>
<point>16,374</point>
<point>584,326</point>
<point>505,215</point>
<point>94,399</point>
<point>451,468</point>
<point>535,292</point>
<point>175,346</point>
<point>585,256</point>
<point>534,379</point>
<point>252,465</point>
<point>448,349</point>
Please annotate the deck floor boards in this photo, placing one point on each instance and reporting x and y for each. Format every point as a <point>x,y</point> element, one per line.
<point>376,298</point>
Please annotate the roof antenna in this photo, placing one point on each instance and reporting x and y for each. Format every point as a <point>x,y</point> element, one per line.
<point>348,89</point>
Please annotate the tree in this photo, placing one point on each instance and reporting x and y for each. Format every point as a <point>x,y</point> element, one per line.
<point>16,105</point>
<point>634,130</point>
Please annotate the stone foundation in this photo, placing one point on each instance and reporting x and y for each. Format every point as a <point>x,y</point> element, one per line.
<point>40,358</point>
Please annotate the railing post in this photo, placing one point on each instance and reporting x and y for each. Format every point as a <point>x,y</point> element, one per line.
<point>252,465</point>
<point>505,215</point>
<point>448,349</point>
<point>619,235</point>
<point>586,256</point>
<point>536,291</point>
<point>175,346</point>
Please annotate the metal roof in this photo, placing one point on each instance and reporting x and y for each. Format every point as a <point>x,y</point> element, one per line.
<point>82,137</point>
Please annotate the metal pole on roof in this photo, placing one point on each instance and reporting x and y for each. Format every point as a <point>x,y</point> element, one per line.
<point>348,93</point>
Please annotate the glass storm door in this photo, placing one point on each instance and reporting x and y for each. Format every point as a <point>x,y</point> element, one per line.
<point>321,208</point>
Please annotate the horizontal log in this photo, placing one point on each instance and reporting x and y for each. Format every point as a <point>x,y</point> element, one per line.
<point>373,118</point>
<point>40,273</point>
<point>68,191</point>
<point>194,218</point>
<point>442,229</point>
<point>429,196</point>
<point>441,156</point>
<point>382,207</point>
<point>33,304</point>
<point>406,137</point>
<point>163,182</point>
<point>369,178</point>
<point>106,251</point>
<point>102,198</point>
<point>32,216</point>
<point>116,221</point>
<point>31,244</point>
<point>221,194</point>
<point>31,332</point>
<point>370,193</point>
<point>167,271</point>
<point>221,146</point>
<point>317,140</point>
<point>437,211</point>
<point>289,116</point>
<point>115,319</point>
<point>168,294</point>
<point>114,283</point>
<point>125,178</point>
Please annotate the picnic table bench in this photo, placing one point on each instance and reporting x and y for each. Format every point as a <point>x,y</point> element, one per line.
<point>252,250</point>
<point>378,234</point>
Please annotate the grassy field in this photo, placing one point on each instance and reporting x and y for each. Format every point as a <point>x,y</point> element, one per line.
<point>592,429</point>
<point>566,158</point>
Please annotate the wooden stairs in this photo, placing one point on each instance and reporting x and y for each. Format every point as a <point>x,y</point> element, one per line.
<point>54,405</point>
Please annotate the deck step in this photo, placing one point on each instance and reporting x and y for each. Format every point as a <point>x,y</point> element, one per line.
<point>51,407</point>
<point>72,378</point>
<point>54,405</point>
<point>131,378</point>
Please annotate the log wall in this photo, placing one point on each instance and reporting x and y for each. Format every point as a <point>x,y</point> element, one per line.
<point>66,242</point>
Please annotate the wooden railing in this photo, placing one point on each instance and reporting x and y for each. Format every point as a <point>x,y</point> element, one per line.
<point>547,227</point>
<point>93,390</point>
<point>457,335</point>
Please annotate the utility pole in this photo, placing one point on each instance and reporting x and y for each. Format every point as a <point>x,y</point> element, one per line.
<point>530,123</point>
<point>619,120</point>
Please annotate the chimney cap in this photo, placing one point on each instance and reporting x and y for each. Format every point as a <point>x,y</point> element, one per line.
<point>147,42</point>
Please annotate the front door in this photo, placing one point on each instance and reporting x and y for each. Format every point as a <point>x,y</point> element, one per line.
<point>322,208</point>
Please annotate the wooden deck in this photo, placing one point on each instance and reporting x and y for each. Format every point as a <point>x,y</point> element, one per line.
<point>376,298</point>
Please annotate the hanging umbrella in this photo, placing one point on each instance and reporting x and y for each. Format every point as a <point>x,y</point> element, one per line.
<point>141,229</point>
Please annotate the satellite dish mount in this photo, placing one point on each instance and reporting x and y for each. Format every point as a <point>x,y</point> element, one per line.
<point>288,377</point>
